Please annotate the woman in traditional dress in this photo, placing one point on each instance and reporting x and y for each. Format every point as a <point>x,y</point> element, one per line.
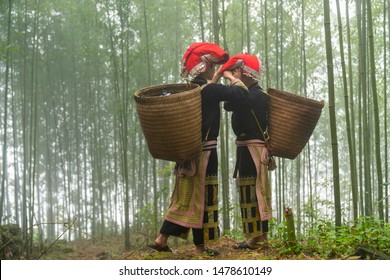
<point>194,202</point>
<point>249,121</point>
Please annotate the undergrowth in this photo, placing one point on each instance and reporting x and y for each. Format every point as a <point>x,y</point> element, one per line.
<point>321,240</point>
<point>324,240</point>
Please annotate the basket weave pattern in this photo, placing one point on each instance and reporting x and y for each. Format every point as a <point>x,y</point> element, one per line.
<point>171,124</point>
<point>292,119</point>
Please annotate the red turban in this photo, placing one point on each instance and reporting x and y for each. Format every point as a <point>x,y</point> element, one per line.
<point>199,56</point>
<point>250,64</point>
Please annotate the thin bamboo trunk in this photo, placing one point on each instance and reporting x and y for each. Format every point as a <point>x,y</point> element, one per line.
<point>376,113</point>
<point>360,105</point>
<point>267,72</point>
<point>368,209</point>
<point>385,93</point>
<point>5,120</point>
<point>332,114</point>
<point>248,36</point>
<point>352,145</point>
<point>347,114</point>
<point>201,20</point>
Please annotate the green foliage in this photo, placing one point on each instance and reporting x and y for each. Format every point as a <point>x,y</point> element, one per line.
<point>56,251</point>
<point>145,217</point>
<point>325,241</point>
<point>167,169</point>
<point>279,240</point>
<point>235,234</point>
<point>371,231</point>
<point>11,243</point>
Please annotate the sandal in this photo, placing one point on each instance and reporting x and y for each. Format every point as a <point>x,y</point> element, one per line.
<point>160,249</point>
<point>244,245</point>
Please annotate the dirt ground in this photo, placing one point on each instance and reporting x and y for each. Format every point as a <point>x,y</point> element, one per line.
<point>113,249</point>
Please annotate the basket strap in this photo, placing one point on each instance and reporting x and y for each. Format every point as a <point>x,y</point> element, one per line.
<point>265,135</point>
<point>209,145</point>
<point>207,135</point>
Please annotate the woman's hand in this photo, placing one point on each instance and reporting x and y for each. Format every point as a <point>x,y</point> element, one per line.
<point>228,75</point>
<point>218,75</point>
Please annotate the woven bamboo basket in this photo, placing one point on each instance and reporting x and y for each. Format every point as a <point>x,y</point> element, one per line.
<point>292,119</point>
<point>172,124</point>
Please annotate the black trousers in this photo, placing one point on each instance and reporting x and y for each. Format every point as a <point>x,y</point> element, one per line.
<point>211,197</point>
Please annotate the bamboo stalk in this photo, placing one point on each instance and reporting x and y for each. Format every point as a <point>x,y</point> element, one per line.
<point>291,238</point>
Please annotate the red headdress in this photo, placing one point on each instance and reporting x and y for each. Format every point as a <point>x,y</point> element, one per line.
<point>199,56</point>
<point>250,65</point>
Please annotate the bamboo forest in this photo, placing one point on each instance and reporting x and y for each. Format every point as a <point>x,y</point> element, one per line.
<point>78,180</point>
